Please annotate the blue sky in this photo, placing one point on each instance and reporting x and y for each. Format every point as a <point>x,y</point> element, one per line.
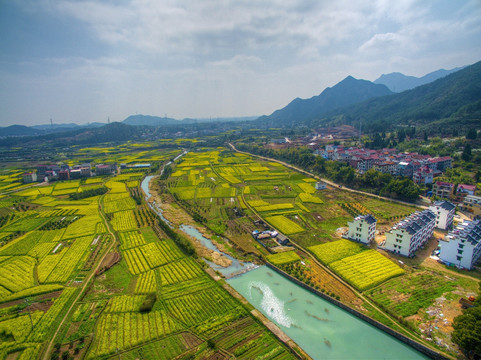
<point>85,61</point>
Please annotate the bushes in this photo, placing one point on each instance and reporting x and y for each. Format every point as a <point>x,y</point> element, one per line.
<point>88,193</point>
<point>148,303</point>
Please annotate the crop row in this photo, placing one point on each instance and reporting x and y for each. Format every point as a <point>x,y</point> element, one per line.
<point>57,212</point>
<point>366,269</point>
<point>197,307</point>
<point>70,259</point>
<point>136,261</point>
<point>20,327</point>
<point>335,250</point>
<point>187,287</point>
<point>283,258</point>
<point>165,349</point>
<point>307,188</point>
<point>110,197</point>
<point>150,256</point>
<point>22,245</point>
<point>116,187</point>
<point>125,330</point>
<point>124,220</point>
<point>67,185</point>
<point>17,273</point>
<point>355,208</point>
<point>87,225</point>
<point>146,283</point>
<point>273,207</point>
<point>284,224</point>
<point>43,327</point>
<point>131,239</point>
<point>24,224</point>
<point>179,271</point>
<point>124,303</point>
<point>126,203</point>
<point>309,198</point>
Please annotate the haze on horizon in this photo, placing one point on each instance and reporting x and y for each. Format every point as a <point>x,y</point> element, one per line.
<point>85,61</point>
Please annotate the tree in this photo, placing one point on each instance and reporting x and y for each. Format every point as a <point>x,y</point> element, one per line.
<point>472,134</point>
<point>467,332</point>
<point>466,155</point>
<point>425,136</point>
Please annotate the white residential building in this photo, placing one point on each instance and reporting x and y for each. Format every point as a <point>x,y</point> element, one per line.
<point>444,211</point>
<point>462,246</point>
<point>411,233</point>
<point>362,228</point>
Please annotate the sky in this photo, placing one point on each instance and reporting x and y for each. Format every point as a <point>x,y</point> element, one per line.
<point>89,61</point>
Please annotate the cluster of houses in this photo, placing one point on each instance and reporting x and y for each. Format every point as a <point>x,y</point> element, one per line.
<point>65,172</point>
<point>422,169</point>
<point>268,237</point>
<point>460,247</point>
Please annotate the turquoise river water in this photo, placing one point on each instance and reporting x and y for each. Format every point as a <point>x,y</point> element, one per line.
<point>321,329</point>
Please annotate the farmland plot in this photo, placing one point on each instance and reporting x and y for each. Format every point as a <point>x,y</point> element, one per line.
<point>366,269</point>
<point>335,250</point>
<point>197,307</point>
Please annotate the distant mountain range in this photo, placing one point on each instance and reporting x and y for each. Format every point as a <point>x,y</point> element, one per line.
<point>397,82</point>
<point>134,120</point>
<point>450,101</point>
<point>348,91</point>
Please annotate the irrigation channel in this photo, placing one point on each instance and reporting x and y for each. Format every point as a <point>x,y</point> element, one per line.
<point>323,330</point>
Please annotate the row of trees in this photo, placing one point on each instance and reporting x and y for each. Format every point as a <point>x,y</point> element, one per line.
<point>340,172</point>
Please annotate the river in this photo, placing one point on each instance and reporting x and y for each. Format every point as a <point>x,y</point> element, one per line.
<point>321,329</point>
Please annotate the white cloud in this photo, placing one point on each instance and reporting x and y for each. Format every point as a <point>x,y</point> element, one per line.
<point>230,57</point>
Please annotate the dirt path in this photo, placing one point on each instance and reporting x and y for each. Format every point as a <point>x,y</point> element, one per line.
<point>48,351</point>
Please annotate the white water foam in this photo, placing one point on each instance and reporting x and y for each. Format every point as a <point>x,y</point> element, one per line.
<point>271,304</point>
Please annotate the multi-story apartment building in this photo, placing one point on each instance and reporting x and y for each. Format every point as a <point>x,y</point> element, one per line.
<point>442,189</point>
<point>444,211</point>
<point>472,205</point>
<point>29,177</point>
<point>362,228</point>
<point>411,233</point>
<point>462,246</point>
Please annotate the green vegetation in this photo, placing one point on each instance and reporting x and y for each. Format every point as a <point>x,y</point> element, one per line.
<point>283,258</point>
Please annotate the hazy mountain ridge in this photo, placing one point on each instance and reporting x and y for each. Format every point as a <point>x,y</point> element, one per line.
<point>348,91</point>
<point>449,102</point>
<point>398,82</point>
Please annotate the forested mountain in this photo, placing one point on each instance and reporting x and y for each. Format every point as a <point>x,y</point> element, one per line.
<point>114,132</point>
<point>18,130</point>
<point>348,91</point>
<point>451,102</point>
<point>398,82</point>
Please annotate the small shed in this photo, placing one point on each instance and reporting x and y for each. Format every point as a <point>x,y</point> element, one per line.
<point>320,185</point>
<point>282,239</point>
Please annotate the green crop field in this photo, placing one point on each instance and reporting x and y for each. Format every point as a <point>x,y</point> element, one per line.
<point>366,269</point>
<point>283,258</point>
